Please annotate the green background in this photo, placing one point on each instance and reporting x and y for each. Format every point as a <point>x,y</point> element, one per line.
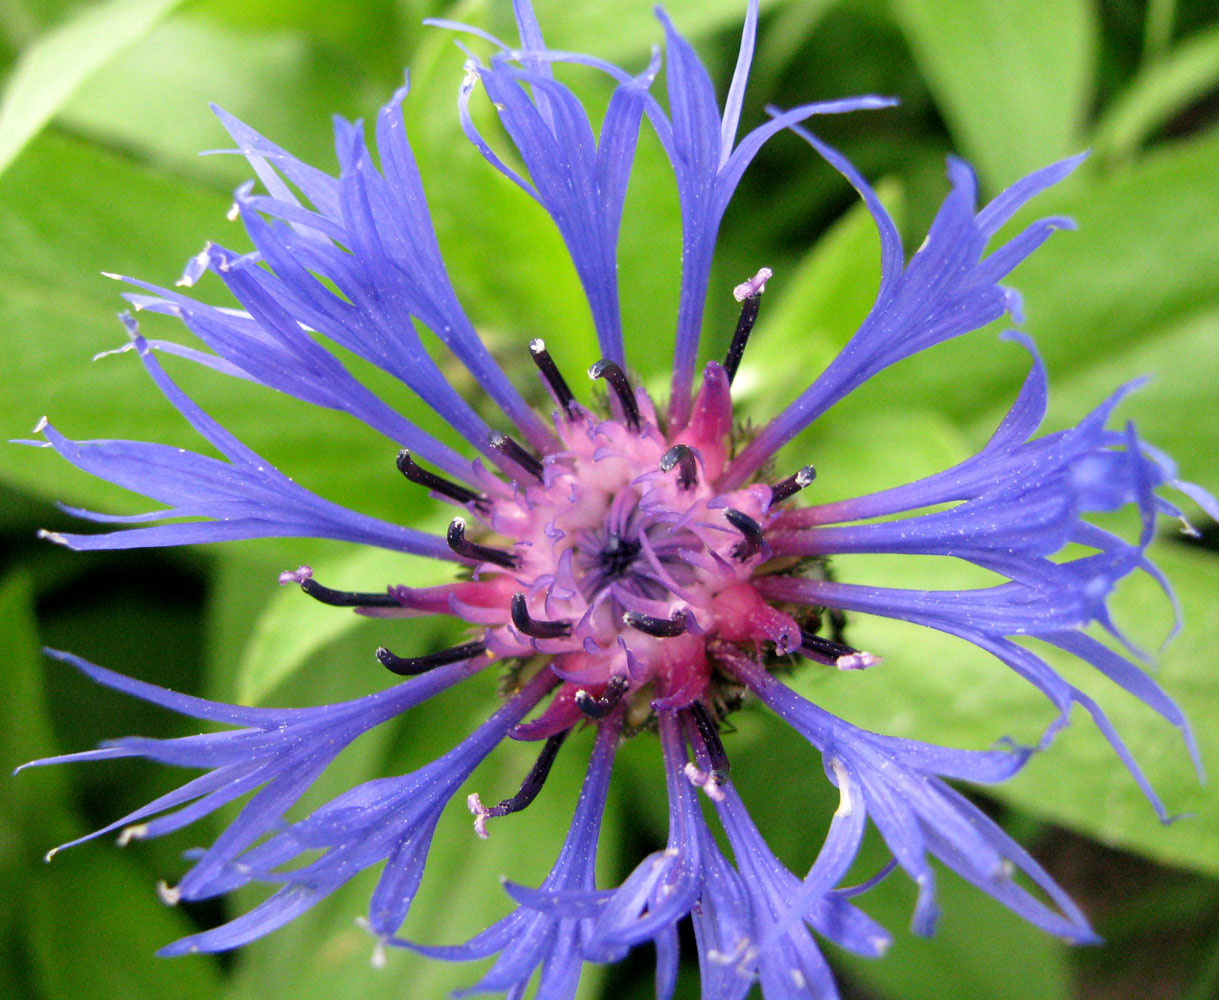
<point>104,110</point>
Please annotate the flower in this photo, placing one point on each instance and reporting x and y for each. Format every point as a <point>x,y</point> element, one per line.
<point>628,569</point>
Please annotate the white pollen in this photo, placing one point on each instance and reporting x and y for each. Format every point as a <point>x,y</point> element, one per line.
<point>754,286</point>
<point>137,832</point>
<point>167,894</point>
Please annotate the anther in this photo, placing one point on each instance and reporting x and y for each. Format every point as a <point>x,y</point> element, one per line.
<point>550,372</point>
<point>599,708</point>
<point>437,484</point>
<point>662,628</point>
<point>749,294</point>
<point>409,666</point>
<point>346,598</point>
<point>511,449</point>
<point>687,471</point>
<point>617,380</point>
<point>792,485</point>
<point>751,544</point>
<point>536,627</point>
<point>529,789</point>
<point>472,550</point>
<point>709,730</point>
<point>837,654</point>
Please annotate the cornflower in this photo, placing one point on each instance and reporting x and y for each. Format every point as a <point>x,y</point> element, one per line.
<point>627,569</point>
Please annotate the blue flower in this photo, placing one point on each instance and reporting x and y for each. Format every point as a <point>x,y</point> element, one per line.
<point>630,570</point>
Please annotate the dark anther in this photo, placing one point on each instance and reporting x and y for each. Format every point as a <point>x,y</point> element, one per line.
<point>536,627</point>
<point>616,378</point>
<point>599,708</point>
<point>550,372</point>
<point>416,474</point>
<point>792,485</point>
<point>662,628</point>
<point>409,666</point>
<point>710,732</point>
<point>751,544</point>
<point>347,598</point>
<point>681,456</point>
<point>819,645</point>
<point>530,787</point>
<point>510,449</point>
<point>472,550</point>
<point>744,326</point>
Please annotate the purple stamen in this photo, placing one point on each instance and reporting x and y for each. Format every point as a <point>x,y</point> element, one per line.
<point>409,666</point>
<point>472,550</point>
<point>792,485</point>
<point>709,730</point>
<point>617,380</point>
<point>529,789</point>
<point>681,456</point>
<point>751,544</point>
<point>509,448</point>
<point>536,627</point>
<point>437,484</point>
<point>662,628</point>
<point>837,654</point>
<point>599,708</point>
<point>554,378</point>
<point>749,294</point>
<point>346,598</point>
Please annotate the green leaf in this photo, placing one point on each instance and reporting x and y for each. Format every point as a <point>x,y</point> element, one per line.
<point>78,903</point>
<point>1182,367</point>
<point>1079,784</point>
<point>84,896</point>
<point>1013,78</point>
<point>938,688</point>
<point>34,812</point>
<point>51,69</point>
<point>1162,89</point>
<point>197,63</point>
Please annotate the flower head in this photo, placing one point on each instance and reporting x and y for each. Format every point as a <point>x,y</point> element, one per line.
<point>629,568</point>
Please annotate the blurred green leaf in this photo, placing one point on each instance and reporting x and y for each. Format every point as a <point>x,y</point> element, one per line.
<point>68,212</point>
<point>1013,78</point>
<point>196,63</point>
<point>1162,89</point>
<point>75,901</point>
<point>33,811</point>
<point>63,906</point>
<point>1078,782</point>
<point>51,69</point>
